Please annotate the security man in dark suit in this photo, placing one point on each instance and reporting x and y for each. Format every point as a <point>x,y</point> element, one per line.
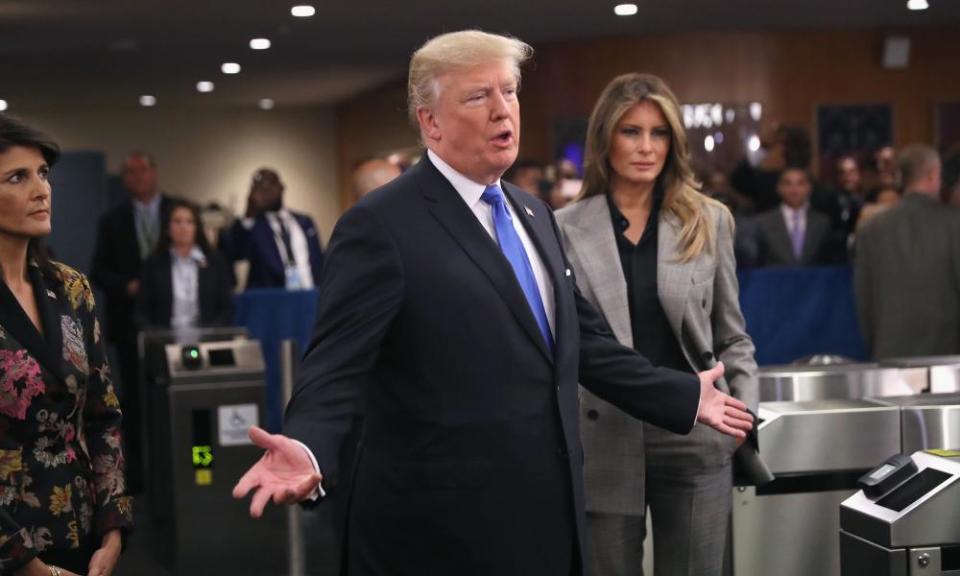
<point>127,235</point>
<point>447,303</point>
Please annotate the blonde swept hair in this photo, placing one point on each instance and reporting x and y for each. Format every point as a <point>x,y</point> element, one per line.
<point>682,196</point>
<point>453,50</point>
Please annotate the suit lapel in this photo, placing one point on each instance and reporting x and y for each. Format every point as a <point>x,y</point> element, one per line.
<point>592,238</point>
<point>782,236</point>
<point>268,239</point>
<point>45,348</point>
<point>458,220</point>
<point>674,278</point>
<point>810,239</point>
<point>164,288</point>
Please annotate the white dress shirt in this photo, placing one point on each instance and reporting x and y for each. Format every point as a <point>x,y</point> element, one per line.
<point>795,218</point>
<point>184,272</point>
<point>298,243</point>
<point>471,192</point>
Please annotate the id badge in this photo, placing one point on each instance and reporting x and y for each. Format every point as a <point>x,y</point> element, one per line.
<point>293,279</point>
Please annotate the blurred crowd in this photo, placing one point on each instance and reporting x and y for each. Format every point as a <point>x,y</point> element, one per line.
<point>785,214</point>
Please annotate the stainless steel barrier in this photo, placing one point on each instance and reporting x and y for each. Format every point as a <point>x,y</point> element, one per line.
<point>905,521</point>
<point>817,450</point>
<point>835,381</point>
<point>942,372</point>
<point>928,421</point>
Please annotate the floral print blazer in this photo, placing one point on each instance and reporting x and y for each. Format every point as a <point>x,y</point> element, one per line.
<point>62,484</point>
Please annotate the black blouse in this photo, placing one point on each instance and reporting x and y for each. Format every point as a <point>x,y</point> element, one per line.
<point>652,335</point>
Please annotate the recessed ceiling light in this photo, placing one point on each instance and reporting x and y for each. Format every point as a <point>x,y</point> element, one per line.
<point>3,105</point>
<point>625,9</point>
<point>753,143</point>
<point>266,104</point>
<point>147,100</point>
<point>230,68</point>
<point>204,86</point>
<point>917,5</point>
<point>303,11</point>
<point>260,43</point>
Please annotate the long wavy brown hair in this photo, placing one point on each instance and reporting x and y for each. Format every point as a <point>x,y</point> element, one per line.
<point>682,196</point>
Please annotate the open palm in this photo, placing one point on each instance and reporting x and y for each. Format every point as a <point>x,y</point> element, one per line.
<point>284,474</point>
<point>721,411</point>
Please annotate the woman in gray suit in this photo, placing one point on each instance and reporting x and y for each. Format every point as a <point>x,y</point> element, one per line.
<point>656,257</point>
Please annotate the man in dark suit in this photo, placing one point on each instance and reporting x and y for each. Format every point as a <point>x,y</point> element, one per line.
<point>908,268</point>
<point>793,234</point>
<point>282,246</point>
<point>449,305</point>
<point>127,235</point>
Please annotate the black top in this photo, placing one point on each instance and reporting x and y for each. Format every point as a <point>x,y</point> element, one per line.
<point>652,335</point>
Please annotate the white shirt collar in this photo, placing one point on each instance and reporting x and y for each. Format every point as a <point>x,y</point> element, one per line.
<point>151,206</point>
<point>788,211</point>
<point>196,255</point>
<point>469,190</point>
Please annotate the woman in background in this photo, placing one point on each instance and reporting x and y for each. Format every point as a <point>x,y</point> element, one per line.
<point>185,283</point>
<point>63,502</point>
<point>656,257</point>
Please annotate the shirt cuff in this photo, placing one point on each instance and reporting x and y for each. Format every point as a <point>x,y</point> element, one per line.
<point>318,492</point>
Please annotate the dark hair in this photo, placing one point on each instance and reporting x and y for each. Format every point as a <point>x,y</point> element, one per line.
<point>789,168</point>
<point>199,237</point>
<point>14,133</point>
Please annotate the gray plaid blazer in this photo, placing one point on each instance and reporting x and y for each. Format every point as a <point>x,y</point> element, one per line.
<point>700,300</point>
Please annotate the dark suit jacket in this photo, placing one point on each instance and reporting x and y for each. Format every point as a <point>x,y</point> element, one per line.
<point>908,279</point>
<point>471,461</point>
<point>62,482</point>
<point>215,295</point>
<point>116,261</point>
<point>259,246</point>
<point>774,247</point>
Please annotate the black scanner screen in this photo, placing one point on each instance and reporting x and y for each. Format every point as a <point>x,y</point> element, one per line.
<point>913,489</point>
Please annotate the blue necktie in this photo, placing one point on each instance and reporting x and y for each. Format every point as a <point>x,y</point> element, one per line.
<point>512,248</point>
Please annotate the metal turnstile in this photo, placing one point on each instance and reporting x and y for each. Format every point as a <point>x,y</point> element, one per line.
<point>203,403</point>
<point>817,450</point>
<point>942,373</point>
<point>836,381</point>
<point>928,421</point>
<point>905,521</point>
<point>151,346</point>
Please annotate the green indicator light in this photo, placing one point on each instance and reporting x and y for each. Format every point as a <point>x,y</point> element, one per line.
<point>202,456</point>
<point>194,353</point>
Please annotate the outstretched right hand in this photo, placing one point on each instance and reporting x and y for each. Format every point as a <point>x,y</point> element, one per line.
<point>283,474</point>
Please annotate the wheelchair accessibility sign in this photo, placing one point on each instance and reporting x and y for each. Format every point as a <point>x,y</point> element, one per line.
<point>234,421</point>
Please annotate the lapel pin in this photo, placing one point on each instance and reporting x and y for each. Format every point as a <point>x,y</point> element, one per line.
<point>529,211</point>
<point>51,294</point>
<point>568,272</point>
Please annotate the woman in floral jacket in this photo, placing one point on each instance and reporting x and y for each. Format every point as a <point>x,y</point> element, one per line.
<point>63,505</point>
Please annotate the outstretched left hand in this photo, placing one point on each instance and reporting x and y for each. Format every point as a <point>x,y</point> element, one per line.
<point>721,411</point>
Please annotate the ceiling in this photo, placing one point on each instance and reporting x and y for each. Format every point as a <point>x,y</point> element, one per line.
<point>106,53</point>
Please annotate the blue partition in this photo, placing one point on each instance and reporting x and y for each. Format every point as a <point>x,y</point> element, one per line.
<point>271,316</point>
<point>790,313</point>
<point>797,312</point>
